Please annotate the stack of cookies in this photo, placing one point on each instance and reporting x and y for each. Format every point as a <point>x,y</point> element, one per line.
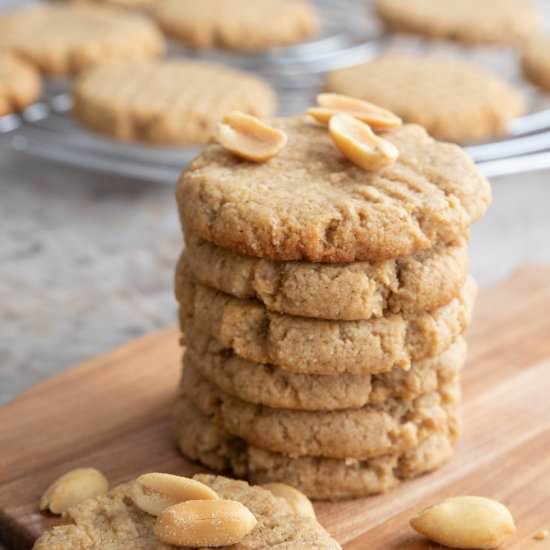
<point>323,307</point>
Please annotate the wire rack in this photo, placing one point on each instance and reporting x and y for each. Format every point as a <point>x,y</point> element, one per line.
<point>46,130</point>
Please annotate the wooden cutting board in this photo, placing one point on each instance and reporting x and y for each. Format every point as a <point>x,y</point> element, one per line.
<point>113,413</point>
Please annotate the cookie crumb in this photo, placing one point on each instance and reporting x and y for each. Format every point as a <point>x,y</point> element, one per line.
<point>541,535</point>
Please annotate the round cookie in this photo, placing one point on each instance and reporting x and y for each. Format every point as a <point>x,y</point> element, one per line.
<point>113,521</point>
<point>310,203</point>
<point>20,84</point>
<point>319,478</point>
<point>169,102</point>
<point>316,346</point>
<point>347,292</point>
<point>470,21</point>
<point>239,24</point>
<point>454,100</point>
<point>66,39</point>
<point>374,430</point>
<point>535,61</point>
<point>277,388</point>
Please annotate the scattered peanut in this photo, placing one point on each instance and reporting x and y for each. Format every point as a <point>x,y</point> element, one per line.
<point>331,104</point>
<point>72,488</point>
<point>250,138</point>
<point>298,501</point>
<point>154,492</point>
<point>541,535</point>
<point>205,523</point>
<point>357,142</point>
<point>466,522</point>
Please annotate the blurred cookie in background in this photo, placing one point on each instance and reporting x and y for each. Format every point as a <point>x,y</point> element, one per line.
<point>470,21</point>
<point>454,100</point>
<point>170,102</point>
<point>20,84</point>
<point>536,61</point>
<point>66,39</point>
<point>122,3</point>
<point>237,24</point>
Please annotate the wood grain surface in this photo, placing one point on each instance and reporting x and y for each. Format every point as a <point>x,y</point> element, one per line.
<point>113,413</point>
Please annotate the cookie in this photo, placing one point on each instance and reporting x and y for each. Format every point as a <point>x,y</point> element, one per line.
<point>320,478</point>
<point>20,84</point>
<point>535,61</point>
<point>315,346</point>
<point>113,521</point>
<point>66,39</point>
<point>280,389</point>
<point>310,203</point>
<point>454,100</point>
<point>391,427</point>
<point>470,21</point>
<point>237,25</point>
<point>348,292</point>
<point>170,102</point>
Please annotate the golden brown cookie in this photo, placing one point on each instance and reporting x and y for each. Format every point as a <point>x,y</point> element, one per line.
<point>347,292</point>
<point>311,203</point>
<point>391,427</point>
<point>454,100</point>
<point>20,84</point>
<point>315,346</point>
<point>168,102</point>
<point>320,478</point>
<point>535,61</point>
<point>66,39</point>
<point>239,24</point>
<point>280,389</point>
<point>114,522</point>
<point>471,21</point>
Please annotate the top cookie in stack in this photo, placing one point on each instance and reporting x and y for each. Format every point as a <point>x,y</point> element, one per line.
<point>323,307</point>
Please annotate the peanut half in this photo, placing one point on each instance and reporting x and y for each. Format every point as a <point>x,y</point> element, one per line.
<point>466,522</point>
<point>357,142</point>
<point>72,488</point>
<point>298,501</point>
<point>154,492</point>
<point>376,117</point>
<point>250,138</point>
<point>200,523</point>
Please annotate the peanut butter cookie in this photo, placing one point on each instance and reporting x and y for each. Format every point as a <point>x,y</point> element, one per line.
<point>454,100</point>
<point>170,102</point>
<point>66,39</point>
<point>239,24</point>
<point>311,203</point>
<point>536,61</point>
<point>20,84</point>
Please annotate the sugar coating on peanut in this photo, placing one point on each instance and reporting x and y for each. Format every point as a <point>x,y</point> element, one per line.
<point>72,488</point>
<point>298,501</point>
<point>378,118</point>
<point>205,523</point>
<point>466,522</point>
<point>154,492</point>
<point>358,143</point>
<point>249,138</point>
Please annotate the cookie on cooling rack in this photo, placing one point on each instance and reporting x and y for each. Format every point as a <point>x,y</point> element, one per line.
<point>454,100</point>
<point>170,102</point>
<point>66,39</point>
<point>470,21</point>
<point>237,25</point>
<point>536,61</point>
<point>20,84</point>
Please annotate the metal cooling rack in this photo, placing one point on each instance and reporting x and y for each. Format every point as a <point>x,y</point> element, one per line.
<point>46,130</point>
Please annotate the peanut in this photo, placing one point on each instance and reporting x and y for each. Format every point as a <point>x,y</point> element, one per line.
<point>298,501</point>
<point>72,488</point>
<point>199,523</point>
<point>154,492</point>
<point>466,522</point>
<point>357,142</point>
<point>376,117</point>
<point>250,138</point>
